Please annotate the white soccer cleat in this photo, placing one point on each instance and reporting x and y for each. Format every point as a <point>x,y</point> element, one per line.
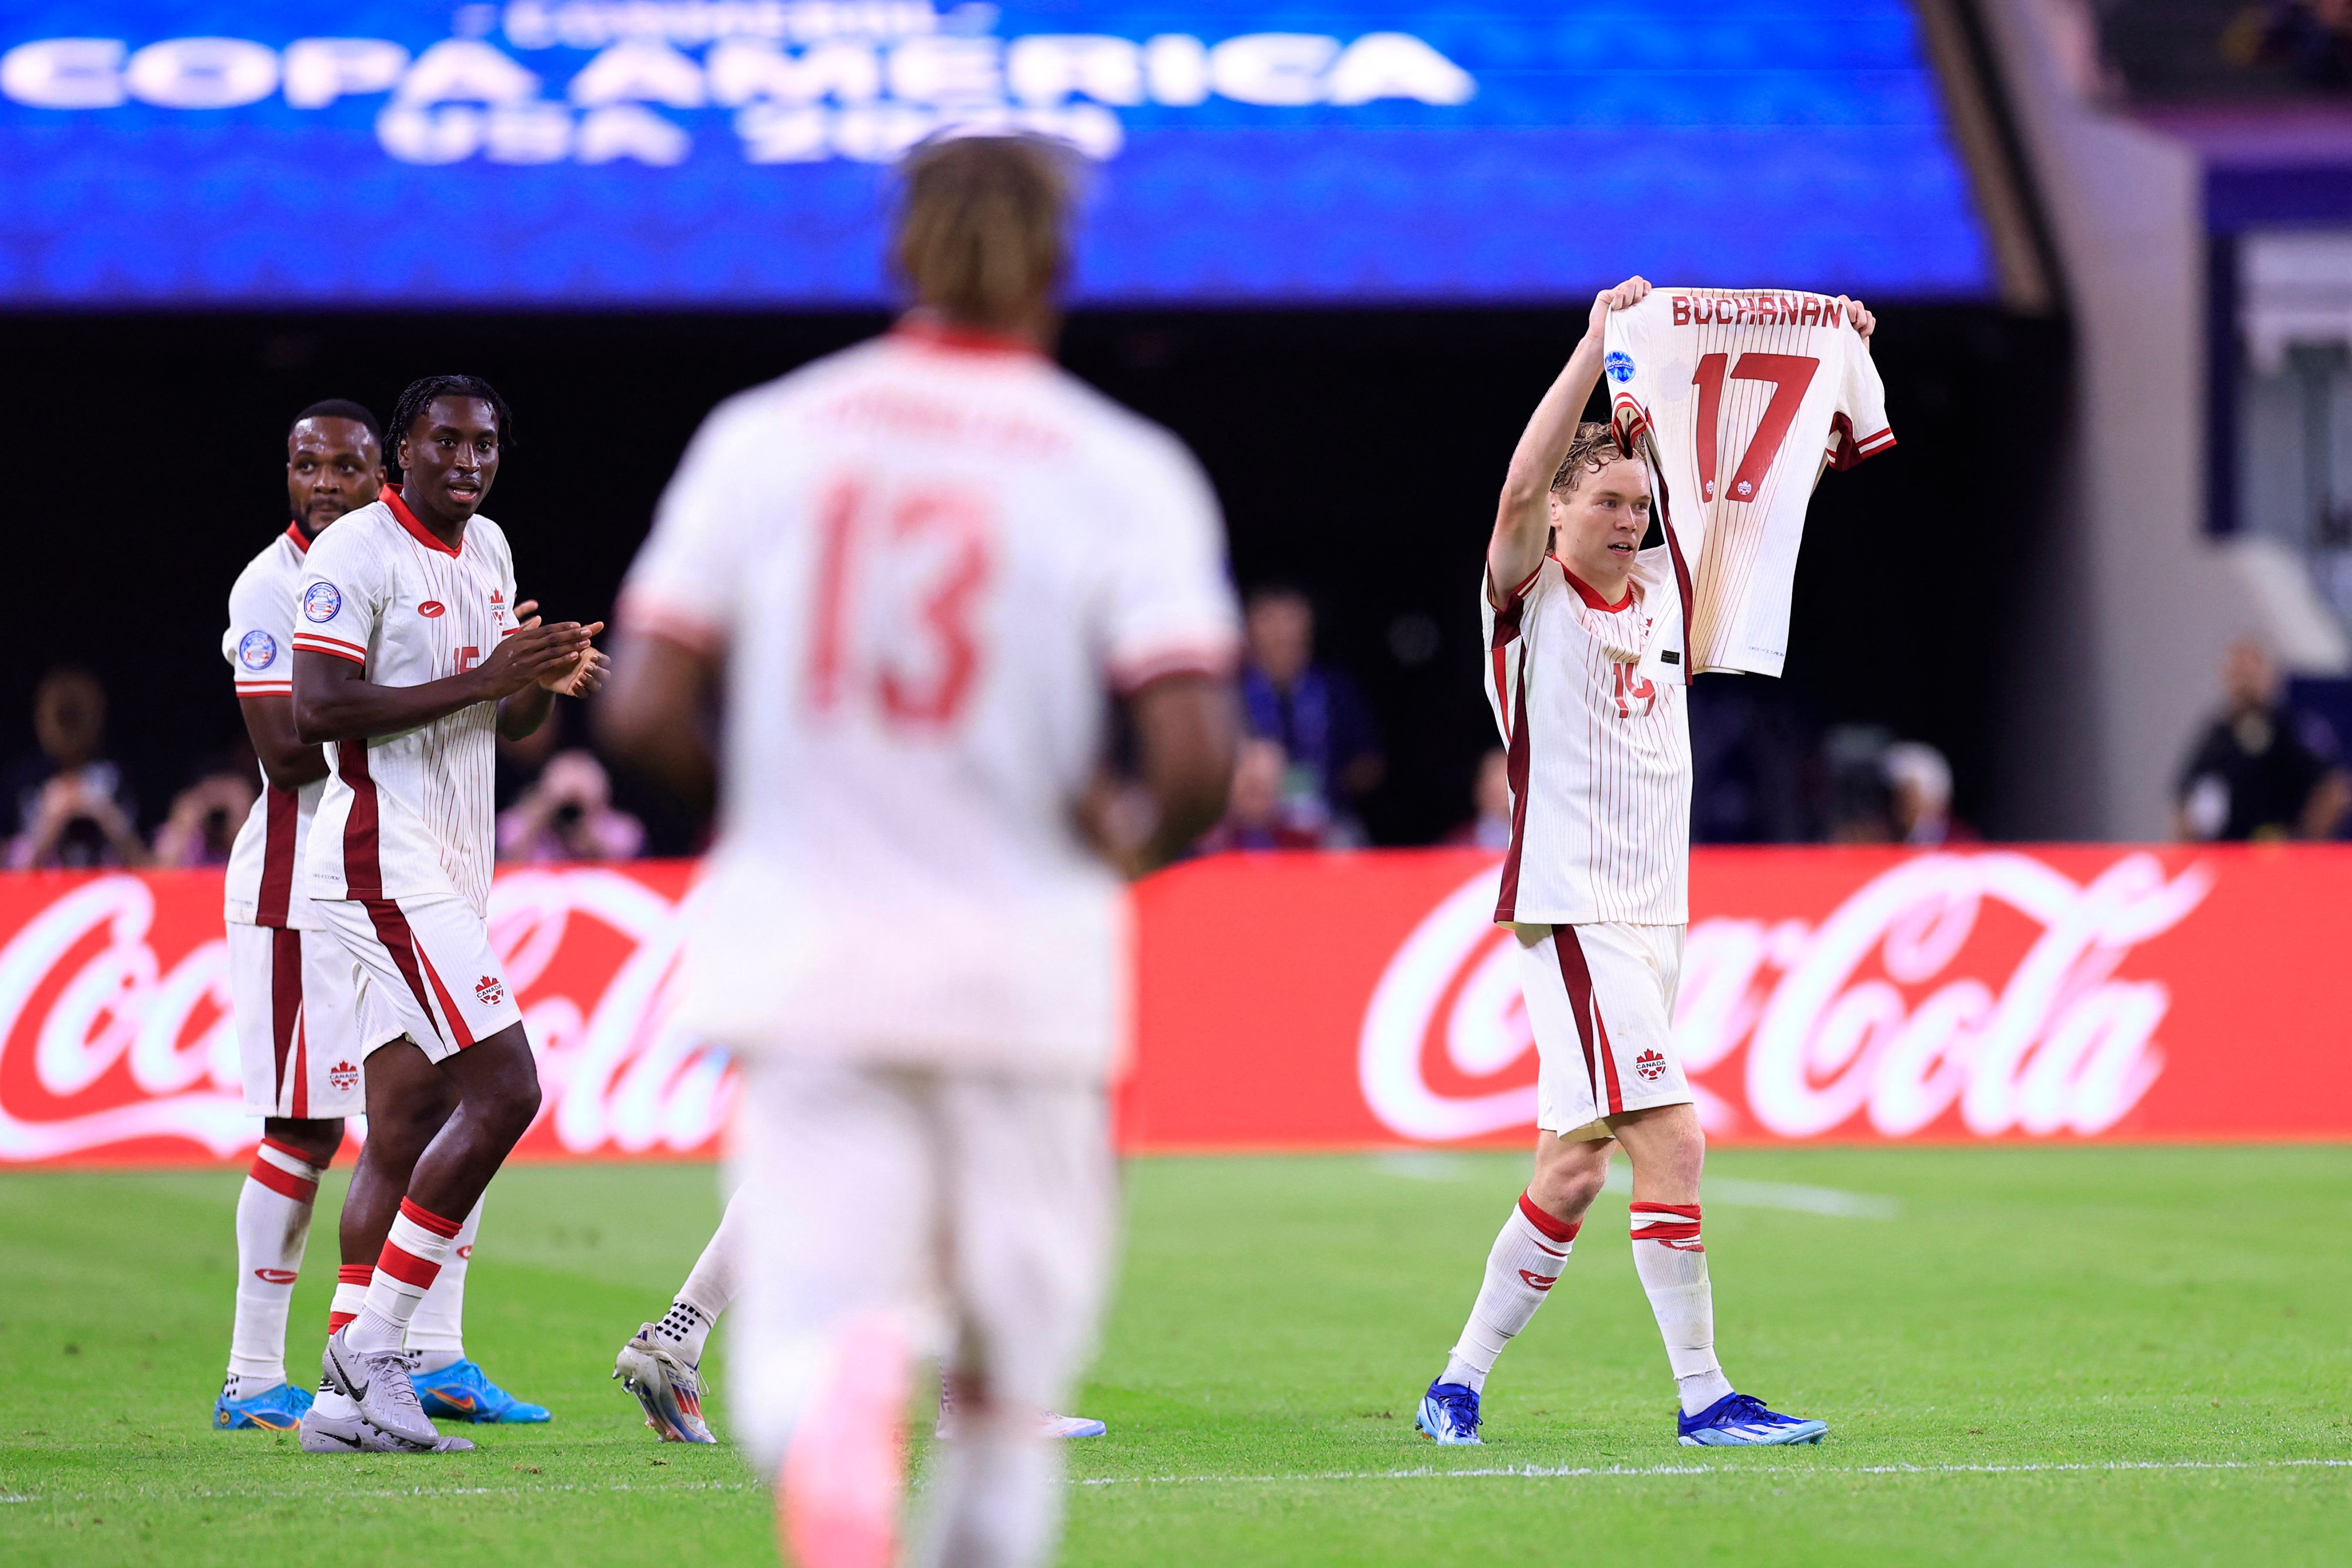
<point>323,1434</point>
<point>669,1390</point>
<point>379,1383</point>
<point>1048,1425</point>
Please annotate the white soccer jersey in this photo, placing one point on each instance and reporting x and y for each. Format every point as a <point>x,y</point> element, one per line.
<point>1599,760</point>
<point>410,814</point>
<point>263,889</point>
<point>927,559</point>
<point>1744,396</point>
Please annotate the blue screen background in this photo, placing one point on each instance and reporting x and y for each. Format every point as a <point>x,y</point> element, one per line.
<point>1734,143</point>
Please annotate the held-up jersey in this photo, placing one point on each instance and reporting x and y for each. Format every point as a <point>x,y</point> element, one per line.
<point>1599,753</point>
<point>264,887</point>
<point>1743,394</point>
<point>409,814</point>
<point>929,561</point>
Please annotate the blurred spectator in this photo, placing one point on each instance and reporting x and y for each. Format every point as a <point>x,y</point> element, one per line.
<point>521,761</point>
<point>70,805</point>
<point>1861,801</point>
<point>2311,38</point>
<point>1919,784</point>
<point>1491,795</point>
<point>568,815</point>
<point>2260,771</point>
<point>1749,747</point>
<point>1257,816</point>
<point>1314,711</point>
<point>202,827</point>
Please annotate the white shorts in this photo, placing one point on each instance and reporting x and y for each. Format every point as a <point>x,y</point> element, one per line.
<point>970,1215</point>
<point>426,971</point>
<point>1601,1000</point>
<point>296,1040</point>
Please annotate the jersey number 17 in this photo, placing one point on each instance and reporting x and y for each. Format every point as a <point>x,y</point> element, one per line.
<point>1791,375</point>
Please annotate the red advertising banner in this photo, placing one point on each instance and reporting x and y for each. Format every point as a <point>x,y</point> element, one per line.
<point>1292,1001</point>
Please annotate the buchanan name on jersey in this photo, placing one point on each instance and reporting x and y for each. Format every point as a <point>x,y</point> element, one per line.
<point>1738,399</point>
<point>409,814</point>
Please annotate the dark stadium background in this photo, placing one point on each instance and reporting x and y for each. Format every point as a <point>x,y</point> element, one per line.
<point>1357,454</point>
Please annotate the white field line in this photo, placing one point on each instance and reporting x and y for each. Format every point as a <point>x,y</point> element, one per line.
<point>1559,1473</point>
<point>1502,1473</point>
<point>1730,1192</point>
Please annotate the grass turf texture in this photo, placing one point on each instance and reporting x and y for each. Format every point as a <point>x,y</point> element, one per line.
<point>2031,1326</point>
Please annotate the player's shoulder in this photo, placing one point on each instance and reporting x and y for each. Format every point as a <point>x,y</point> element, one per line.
<point>486,531</point>
<point>272,569</point>
<point>758,412</point>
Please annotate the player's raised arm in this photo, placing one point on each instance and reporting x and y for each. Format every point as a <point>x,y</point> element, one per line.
<point>1523,517</point>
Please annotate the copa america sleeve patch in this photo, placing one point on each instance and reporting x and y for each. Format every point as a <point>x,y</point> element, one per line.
<point>321,601</point>
<point>257,650</point>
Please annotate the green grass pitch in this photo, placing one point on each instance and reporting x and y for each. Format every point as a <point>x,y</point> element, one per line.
<point>2043,1356</point>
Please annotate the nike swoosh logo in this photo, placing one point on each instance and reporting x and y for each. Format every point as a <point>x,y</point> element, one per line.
<point>1537,1281</point>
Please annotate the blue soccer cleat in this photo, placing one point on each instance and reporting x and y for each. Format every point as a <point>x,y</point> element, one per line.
<point>279,1409</point>
<point>1449,1413</point>
<point>1740,1421</point>
<point>461,1391</point>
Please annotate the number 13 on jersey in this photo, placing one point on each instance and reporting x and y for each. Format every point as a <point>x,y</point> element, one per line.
<point>902,573</point>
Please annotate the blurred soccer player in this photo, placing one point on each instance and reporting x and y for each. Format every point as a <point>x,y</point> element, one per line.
<point>910,574</point>
<point>410,655</point>
<point>1595,887</point>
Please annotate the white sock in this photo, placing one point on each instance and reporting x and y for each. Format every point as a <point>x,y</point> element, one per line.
<point>995,1494</point>
<point>1672,1263</point>
<point>1529,1254</point>
<point>351,1282</point>
<point>438,1331</point>
<point>412,1254</point>
<point>273,1227</point>
<point>718,1275</point>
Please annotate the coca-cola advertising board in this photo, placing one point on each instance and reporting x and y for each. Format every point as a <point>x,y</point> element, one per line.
<point>1306,1001</point>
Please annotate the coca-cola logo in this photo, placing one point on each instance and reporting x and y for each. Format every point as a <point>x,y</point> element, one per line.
<point>1976,993</point>
<point>116,1034</point>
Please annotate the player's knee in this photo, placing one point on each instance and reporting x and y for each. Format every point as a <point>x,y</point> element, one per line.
<point>315,1142</point>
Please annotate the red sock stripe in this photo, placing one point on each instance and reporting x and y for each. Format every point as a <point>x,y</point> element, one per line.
<point>291,1153</point>
<point>335,1321</point>
<point>355,1274</point>
<point>1557,1229</point>
<point>1664,1221</point>
<point>425,1219</point>
<point>285,1184</point>
<point>406,1267</point>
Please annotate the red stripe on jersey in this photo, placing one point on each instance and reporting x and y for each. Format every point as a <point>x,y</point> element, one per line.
<point>418,532</point>
<point>326,640</point>
<point>278,821</point>
<point>424,1218</point>
<point>1515,769</point>
<point>285,1004</point>
<point>332,650</point>
<point>406,1267</point>
<point>301,544</point>
<point>448,1005</point>
<point>1507,632</point>
<point>1682,586</point>
<point>1578,978</point>
<point>392,930</point>
<point>264,689</point>
<point>1591,595</point>
<point>362,865</point>
<point>283,1183</point>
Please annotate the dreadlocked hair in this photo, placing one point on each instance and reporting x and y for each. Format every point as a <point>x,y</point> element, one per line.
<point>419,396</point>
<point>1595,447</point>
<point>981,223</point>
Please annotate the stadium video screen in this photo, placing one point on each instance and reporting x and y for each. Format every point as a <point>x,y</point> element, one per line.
<point>709,153</point>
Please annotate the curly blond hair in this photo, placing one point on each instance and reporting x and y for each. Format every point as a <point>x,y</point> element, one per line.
<point>1594,448</point>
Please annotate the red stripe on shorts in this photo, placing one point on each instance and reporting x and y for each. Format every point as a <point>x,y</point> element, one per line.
<point>392,930</point>
<point>1578,980</point>
<point>285,1006</point>
<point>362,868</point>
<point>1608,1061</point>
<point>449,1004</point>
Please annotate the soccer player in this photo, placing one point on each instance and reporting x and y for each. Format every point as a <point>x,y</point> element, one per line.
<point>662,1362</point>
<point>1595,889</point>
<point>411,656</point>
<point>290,981</point>
<point>913,575</point>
